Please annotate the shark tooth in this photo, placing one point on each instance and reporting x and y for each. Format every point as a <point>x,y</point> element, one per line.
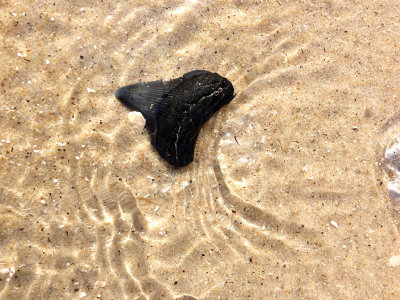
<point>175,110</point>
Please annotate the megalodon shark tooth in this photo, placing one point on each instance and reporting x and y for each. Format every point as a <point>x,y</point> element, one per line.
<point>175,110</point>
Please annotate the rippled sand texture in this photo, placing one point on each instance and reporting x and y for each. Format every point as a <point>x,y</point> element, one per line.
<point>286,197</point>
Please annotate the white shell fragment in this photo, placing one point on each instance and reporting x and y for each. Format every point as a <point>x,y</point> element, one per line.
<point>394,261</point>
<point>391,163</point>
<point>393,148</point>
<point>137,119</point>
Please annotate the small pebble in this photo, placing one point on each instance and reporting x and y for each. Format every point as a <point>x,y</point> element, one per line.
<point>394,261</point>
<point>137,119</point>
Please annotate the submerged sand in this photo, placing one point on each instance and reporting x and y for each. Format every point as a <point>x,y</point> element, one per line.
<point>287,196</point>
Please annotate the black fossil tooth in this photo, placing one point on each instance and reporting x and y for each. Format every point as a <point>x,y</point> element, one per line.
<point>176,109</point>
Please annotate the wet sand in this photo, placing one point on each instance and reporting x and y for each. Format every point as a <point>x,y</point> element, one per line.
<point>287,195</point>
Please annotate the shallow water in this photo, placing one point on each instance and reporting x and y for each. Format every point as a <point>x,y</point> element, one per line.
<point>287,195</point>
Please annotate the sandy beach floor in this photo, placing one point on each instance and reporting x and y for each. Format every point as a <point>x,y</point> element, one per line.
<point>292,193</point>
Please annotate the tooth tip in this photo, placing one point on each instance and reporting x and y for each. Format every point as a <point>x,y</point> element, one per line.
<point>119,93</point>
